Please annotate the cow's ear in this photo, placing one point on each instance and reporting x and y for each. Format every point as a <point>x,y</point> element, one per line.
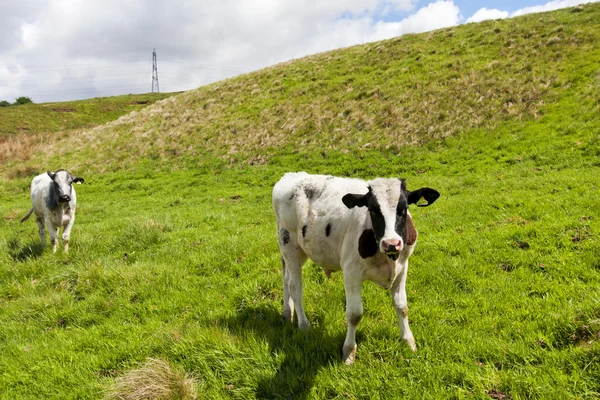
<point>355,200</point>
<point>78,180</point>
<point>423,197</point>
<point>51,175</point>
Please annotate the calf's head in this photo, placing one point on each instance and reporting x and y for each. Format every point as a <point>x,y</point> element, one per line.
<point>62,182</point>
<point>387,201</point>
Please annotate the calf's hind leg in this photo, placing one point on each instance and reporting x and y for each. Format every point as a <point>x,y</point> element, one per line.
<point>42,230</point>
<point>288,303</point>
<point>291,261</point>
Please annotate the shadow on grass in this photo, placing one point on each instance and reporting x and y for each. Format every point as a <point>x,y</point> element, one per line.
<point>22,252</point>
<point>305,352</point>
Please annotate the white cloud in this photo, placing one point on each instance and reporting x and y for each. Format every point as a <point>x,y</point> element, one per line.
<point>552,5</point>
<point>440,14</point>
<point>486,13</point>
<point>78,49</point>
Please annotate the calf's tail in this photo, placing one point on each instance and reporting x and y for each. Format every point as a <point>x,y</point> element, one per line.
<point>27,215</point>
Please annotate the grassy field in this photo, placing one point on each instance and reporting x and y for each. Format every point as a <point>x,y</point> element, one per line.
<point>173,255</point>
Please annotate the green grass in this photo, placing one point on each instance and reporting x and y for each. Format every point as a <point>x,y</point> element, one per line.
<point>174,255</point>
<point>79,114</point>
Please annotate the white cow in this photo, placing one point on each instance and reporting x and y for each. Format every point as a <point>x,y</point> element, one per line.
<point>53,200</point>
<point>362,228</point>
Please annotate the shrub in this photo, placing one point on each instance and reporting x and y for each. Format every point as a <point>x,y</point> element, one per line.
<point>22,100</point>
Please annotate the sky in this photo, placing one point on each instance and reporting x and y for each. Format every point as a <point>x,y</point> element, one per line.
<point>61,50</point>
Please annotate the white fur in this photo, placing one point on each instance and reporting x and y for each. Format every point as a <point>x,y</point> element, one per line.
<point>63,216</point>
<point>295,207</point>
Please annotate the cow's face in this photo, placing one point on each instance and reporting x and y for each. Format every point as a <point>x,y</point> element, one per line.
<point>62,182</point>
<point>387,201</point>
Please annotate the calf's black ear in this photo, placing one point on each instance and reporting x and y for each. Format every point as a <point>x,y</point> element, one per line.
<point>51,175</point>
<point>356,200</point>
<point>78,180</point>
<point>423,197</point>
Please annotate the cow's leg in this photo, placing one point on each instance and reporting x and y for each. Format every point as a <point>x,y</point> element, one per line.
<point>53,231</point>
<point>292,260</point>
<point>293,273</point>
<point>354,312</point>
<point>288,303</point>
<point>67,232</point>
<point>42,229</point>
<point>401,306</point>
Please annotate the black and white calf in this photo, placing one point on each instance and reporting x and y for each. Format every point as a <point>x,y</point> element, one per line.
<point>53,200</point>
<point>362,228</point>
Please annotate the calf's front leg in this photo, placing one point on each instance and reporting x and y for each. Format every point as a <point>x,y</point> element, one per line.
<point>67,231</point>
<point>354,312</point>
<point>401,305</point>
<point>53,231</point>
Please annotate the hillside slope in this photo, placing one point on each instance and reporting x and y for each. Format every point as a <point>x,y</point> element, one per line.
<point>379,95</point>
<point>26,128</point>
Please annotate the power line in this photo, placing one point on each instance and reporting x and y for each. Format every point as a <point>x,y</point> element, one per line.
<point>84,90</point>
<point>209,66</point>
<point>67,66</point>
<point>141,62</point>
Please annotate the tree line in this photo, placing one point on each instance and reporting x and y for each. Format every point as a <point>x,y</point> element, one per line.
<point>18,101</point>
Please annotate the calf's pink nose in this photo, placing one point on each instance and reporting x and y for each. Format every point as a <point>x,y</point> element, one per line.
<point>392,244</point>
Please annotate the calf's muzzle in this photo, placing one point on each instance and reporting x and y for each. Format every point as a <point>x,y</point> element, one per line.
<point>392,246</point>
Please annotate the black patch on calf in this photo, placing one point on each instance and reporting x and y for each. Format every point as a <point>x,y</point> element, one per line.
<point>377,219</point>
<point>401,217</point>
<point>291,197</point>
<point>52,199</point>
<point>304,231</point>
<point>284,236</point>
<point>411,232</point>
<point>367,244</point>
<point>310,192</point>
<point>328,229</point>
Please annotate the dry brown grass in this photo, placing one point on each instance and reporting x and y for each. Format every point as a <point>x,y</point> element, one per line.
<point>21,146</point>
<point>154,380</point>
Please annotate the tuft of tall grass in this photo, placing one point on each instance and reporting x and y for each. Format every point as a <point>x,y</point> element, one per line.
<point>155,379</point>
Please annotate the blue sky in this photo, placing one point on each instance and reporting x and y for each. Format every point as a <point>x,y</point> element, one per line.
<point>74,49</point>
<point>469,7</point>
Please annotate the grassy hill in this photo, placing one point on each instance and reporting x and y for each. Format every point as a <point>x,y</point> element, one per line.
<point>25,128</point>
<point>174,252</point>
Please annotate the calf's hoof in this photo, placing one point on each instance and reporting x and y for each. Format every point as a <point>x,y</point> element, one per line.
<point>411,343</point>
<point>304,325</point>
<point>288,315</point>
<point>349,354</point>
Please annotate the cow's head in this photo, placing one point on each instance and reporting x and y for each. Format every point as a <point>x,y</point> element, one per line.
<point>387,201</point>
<point>62,181</point>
